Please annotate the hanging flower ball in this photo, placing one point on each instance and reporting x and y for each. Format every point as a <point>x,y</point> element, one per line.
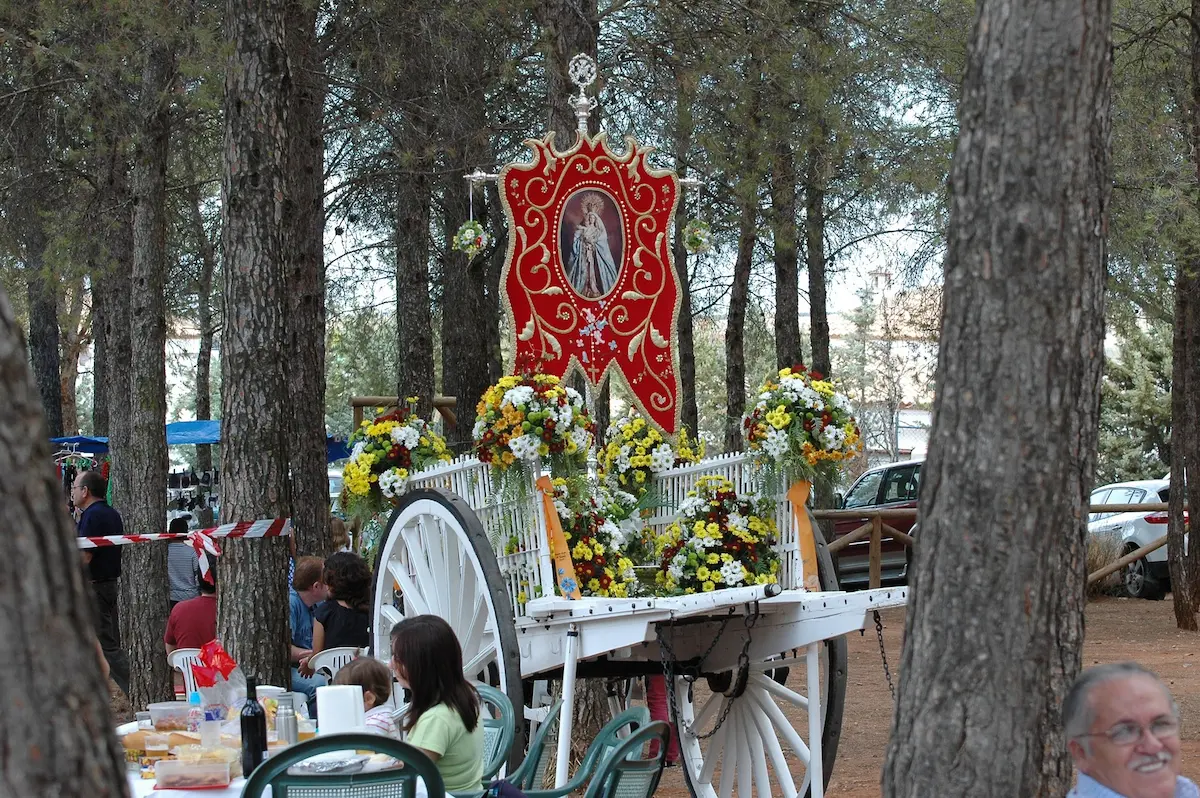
<point>697,237</point>
<point>471,238</point>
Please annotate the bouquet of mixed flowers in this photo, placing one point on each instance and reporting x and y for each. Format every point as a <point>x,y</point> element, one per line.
<point>524,417</point>
<point>634,451</point>
<point>384,454</point>
<point>801,427</point>
<point>595,542</point>
<point>471,238</point>
<point>720,540</point>
<point>697,237</point>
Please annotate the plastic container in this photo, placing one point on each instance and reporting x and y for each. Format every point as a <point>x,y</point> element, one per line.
<point>169,716</point>
<point>195,712</point>
<point>179,775</point>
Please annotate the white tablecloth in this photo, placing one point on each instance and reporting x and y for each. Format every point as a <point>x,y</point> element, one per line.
<point>140,788</point>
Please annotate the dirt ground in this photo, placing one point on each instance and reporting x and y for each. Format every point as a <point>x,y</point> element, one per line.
<point>1117,629</point>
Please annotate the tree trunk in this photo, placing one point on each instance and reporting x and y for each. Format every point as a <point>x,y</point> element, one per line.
<point>735,326</point>
<point>995,616</point>
<point>144,591</point>
<point>685,341</point>
<point>110,251</point>
<point>76,337</point>
<point>252,607</point>
<point>57,732</point>
<point>204,314</point>
<point>569,27</point>
<point>814,249</point>
<point>304,231</point>
<point>786,256</point>
<point>43,327</point>
<point>414,320</point>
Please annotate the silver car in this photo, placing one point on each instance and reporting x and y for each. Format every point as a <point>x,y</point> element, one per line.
<point>1148,577</point>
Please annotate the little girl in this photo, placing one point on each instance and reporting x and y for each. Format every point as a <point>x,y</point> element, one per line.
<point>443,717</point>
<point>376,682</point>
<point>345,618</point>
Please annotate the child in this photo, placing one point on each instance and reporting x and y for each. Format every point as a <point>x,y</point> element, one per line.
<point>443,717</point>
<point>345,618</point>
<point>376,681</point>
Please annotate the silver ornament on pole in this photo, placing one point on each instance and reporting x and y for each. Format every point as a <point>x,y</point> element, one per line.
<point>582,71</point>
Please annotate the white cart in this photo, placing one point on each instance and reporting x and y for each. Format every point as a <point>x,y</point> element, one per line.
<point>455,549</point>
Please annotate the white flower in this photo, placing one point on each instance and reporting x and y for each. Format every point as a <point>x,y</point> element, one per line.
<point>615,533</point>
<point>690,506</point>
<point>406,436</point>
<point>518,396</point>
<point>391,483</point>
<point>479,428</point>
<point>737,522</point>
<point>662,458</point>
<point>675,569</point>
<point>358,449</point>
<point>776,443</point>
<point>564,512</point>
<point>574,398</point>
<point>832,437</point>
<point>581,437</point>
<point>525,447</point>
<point>733,573</point>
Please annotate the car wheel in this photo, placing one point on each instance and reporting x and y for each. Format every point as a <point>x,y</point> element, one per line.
<point>1138,582</point>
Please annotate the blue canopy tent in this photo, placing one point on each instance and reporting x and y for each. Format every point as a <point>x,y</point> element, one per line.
<point>188,433</point>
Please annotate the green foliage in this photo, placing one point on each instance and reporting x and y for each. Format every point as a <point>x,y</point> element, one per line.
<point>1135,406</point>
<point>360,360</point>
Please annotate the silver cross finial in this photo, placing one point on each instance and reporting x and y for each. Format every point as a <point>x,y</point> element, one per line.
<point>582,72</point>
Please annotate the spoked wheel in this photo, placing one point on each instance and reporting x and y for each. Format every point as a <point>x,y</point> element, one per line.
<point>436,560</point>
<point>760,747</point>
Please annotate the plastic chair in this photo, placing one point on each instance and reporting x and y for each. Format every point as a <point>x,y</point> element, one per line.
<point>531,772</point>
<point>499,731</point>
<point>609,739</point>
<point>392,783</point>
<point>182,659</point>
<point>626,773</point>
<point>332,660</point>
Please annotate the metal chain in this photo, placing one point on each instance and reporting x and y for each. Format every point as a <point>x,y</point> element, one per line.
<point>887,672</point>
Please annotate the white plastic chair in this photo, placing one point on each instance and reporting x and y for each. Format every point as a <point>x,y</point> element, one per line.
<point>332,660</point>
<point>181,659</point>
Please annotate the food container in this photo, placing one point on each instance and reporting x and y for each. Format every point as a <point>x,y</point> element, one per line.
<point>180,775</point>
<point>169,716</point>
<point>198,755</point>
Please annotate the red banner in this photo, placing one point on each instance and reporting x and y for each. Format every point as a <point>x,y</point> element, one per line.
<point>589,282</point>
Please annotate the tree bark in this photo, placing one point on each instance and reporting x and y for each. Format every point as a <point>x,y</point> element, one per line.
<point>76,336</point>
<point>252,606</point>
<point>43,326</point>
<point>786,256</point>
<point>304,232</point>
<point>144,591</point>
<point>57,732</point>
<point>569,27</point>
<point>204,314</point>
<point>814,249</point>
<point>995,616</point>
<point>685,340</point>
<point>735,325</point>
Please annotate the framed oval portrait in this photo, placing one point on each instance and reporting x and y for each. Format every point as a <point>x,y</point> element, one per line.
<point>591,242</point>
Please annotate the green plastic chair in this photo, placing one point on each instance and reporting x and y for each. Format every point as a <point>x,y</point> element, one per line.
<point>499,731</point>
<point>627,773</point>
<point>608,740</point>
<point>530,774</point>
<point>392,783</point>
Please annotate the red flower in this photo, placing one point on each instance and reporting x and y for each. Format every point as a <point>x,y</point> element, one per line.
<point>816,375</point>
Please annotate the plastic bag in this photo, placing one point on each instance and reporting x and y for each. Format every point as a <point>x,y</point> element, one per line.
<point>221,683</point>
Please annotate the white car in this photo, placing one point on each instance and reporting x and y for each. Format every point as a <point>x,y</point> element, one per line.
<point>1148,577</point>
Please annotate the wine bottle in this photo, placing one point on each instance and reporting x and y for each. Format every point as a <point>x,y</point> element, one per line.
<point>254,730</point>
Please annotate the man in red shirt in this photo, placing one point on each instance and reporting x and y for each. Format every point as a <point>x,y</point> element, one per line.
<point>194,622</point>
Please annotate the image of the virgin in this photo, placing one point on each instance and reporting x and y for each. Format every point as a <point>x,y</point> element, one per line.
<point>590,238</point>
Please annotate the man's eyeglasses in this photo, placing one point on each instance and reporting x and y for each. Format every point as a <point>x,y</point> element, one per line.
<point>1123,734</point>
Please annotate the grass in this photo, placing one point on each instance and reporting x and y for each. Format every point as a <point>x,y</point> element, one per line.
<point>1103,550</point>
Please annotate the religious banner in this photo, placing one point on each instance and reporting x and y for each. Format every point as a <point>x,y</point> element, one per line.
<point>588,280</point>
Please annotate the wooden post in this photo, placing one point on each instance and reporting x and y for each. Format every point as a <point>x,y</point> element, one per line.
<point>1128,558</point>
<point>876,558</point>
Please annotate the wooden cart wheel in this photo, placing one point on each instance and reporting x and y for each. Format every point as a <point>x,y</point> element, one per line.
<point>436,559</point>
<point>760,749</point>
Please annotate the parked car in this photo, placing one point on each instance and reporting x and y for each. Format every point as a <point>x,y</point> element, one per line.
<point>890,487</point>
<point>1148,577</point>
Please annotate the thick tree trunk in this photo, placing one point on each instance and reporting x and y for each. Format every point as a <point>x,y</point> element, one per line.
<point>569,27</point>
<point>814,249</point>
<point>43,327</point>
<point>735,326</point>
<point>414,320</point>
<point>57,732</point>
<point>111,249</point>
<point>304,231</point>
<point>786,256</point>
<point>204,314</point>
<point>685,341</point>
<point>252,606</point>
<point>144,594</point>
<point>995,616</point>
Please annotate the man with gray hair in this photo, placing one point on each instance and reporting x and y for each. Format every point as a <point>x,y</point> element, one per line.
<point>1122,729</point>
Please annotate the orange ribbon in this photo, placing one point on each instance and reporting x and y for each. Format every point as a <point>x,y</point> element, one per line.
<point>798,496</point>
<point>564,568</point>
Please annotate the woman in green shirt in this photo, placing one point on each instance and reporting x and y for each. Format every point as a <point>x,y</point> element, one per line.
<point>443,717</point>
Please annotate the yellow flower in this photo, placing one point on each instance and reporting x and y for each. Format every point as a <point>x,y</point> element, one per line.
<point>707,586</point>
<point>713,559</point>
<point>702,573</point>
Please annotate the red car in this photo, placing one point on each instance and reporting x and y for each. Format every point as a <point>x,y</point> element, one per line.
<point>889,487</point>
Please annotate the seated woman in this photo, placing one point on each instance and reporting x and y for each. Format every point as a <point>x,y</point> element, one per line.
<point>443,718</point>
<point>345,618</point>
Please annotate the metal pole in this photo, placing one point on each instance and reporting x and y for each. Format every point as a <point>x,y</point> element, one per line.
<point>815,721</point>
<point>565,714</point>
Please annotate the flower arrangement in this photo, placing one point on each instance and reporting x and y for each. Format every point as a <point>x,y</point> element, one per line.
<point>384,454</point>
<point>595,542</point>
<point>471,238</point>
<point>634,451</point>
<point>524,417</point>
<point>720,540</point>
<point>801,427</point>
<point>697,237</point>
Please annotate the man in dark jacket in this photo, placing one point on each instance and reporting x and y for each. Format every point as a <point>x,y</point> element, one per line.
<point>103,567</point>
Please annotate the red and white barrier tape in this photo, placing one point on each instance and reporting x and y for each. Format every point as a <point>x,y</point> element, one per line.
<point>263,528</point>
